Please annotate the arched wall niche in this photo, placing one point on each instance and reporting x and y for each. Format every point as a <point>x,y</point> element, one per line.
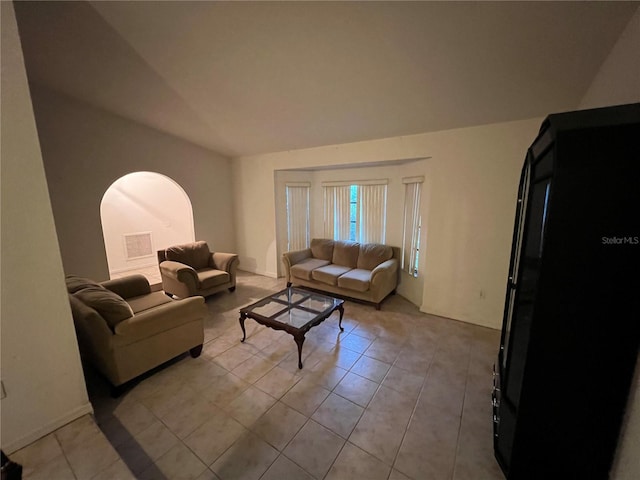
<point>143,212</point>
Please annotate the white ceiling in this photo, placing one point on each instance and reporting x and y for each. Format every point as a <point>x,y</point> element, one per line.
<point>242,78</point>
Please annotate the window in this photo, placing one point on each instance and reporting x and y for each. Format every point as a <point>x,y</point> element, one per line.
<point>412,225</point>
<point>355,211</point>
<point>297,216</point>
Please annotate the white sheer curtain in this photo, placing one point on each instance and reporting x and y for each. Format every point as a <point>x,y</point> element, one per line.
<point>336,212</point>
<point>372,209</point>
<point>297,217</point>
<point>411,234</point>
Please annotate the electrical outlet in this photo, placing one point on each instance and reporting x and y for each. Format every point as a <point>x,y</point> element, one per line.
<point>2,391</point>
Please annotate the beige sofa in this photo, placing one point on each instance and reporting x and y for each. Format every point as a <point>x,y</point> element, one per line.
<point>125,330</point>
<point>192,269</point>
<point>367,271</point>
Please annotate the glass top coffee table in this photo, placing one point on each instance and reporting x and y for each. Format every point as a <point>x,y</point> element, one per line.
<point>293,310</point>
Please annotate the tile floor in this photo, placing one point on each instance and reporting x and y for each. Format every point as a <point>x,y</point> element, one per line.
<point>398,395</point>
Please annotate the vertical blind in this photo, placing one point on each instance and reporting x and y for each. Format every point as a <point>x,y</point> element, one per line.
<point>297,217</point>
<point>371,205</point>
<point>336,212</point>
<point>411,234</point>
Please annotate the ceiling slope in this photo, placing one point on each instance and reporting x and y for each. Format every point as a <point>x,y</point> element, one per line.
<point>243,78</point>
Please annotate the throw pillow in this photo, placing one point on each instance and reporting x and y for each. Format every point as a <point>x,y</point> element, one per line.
<point>75,283</point>
<point>110,306</point>
<point>196,254</point>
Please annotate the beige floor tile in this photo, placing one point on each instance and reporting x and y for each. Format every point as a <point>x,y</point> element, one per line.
<point>394,407</point>
<point>378,437</point>
<point>116,471</point>
<point>253,368</point>
<point>165,399</point>
<point>429,447</point>
<point>327,375</point>
<point>305,396</point>
<point>396,475</point>
<point>36,455</point>
<point>278,350</point>
<point>177,463</point>
<point>223,390</point>
<point>233,357</point>
<point>338,414</point>
<point>249,406</point>
<point>55,468</point>
<point>356,464</point>
<point>405,382</point>
<point>126,421</point>
<point>215,436</point>
<point>440,391</point>
<point>343,357</point>
<point>314,448</point>
<point>356,388</point>
<point>285,469</point>
<point>279,425</point>
<point>277,382</point>
<point>77,433</point>
<point>383,350</point>
<point>247,459</point>
<point>208,475</point>
<point>93,456</point>
<point>414,361</point>
<point>354,342</point>
<point>147,446</point>
<point>371,368</point>
<point>188,416</point>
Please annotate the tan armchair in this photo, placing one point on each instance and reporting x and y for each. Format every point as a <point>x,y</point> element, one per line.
<point>192,269</point>
<point>124,329</point>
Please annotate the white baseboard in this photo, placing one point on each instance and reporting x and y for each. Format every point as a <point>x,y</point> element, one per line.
<point>52,426</point>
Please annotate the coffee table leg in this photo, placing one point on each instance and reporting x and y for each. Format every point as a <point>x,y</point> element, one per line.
<point>244,333</point>
<point>341,308</point>
<point>299,341</point>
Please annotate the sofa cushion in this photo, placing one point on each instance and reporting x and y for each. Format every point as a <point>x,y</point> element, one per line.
<point>346,254</point>
<point>373,254</point>
<point>304,268</point>
<point>357,279</point>
<point>110,306</point>
<point>75,283</point>
<point>145,302</point>
<point>196,254</point>
<point>322,248</point>
<point>329,274</point>
<point>211,277</point>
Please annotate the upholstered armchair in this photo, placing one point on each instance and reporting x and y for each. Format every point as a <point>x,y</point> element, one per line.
<point>192,269</point>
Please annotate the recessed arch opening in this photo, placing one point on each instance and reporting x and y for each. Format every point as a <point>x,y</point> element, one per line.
<point>143,212</point>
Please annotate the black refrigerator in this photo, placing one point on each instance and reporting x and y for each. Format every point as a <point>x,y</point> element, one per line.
<point>571,322</point>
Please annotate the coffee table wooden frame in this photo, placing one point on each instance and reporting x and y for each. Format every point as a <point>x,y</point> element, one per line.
<point>298,333</point>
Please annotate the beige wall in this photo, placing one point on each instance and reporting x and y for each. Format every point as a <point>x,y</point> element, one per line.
<point>86,149</point>
<point>41,368</point>
<point>618,82</point>
<point>472,178</point>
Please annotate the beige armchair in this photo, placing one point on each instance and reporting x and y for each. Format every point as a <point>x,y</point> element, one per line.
<point>124,329</point>
<point>192,269</point>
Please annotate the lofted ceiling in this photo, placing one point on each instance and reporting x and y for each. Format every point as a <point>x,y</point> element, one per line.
<point>242,78</point>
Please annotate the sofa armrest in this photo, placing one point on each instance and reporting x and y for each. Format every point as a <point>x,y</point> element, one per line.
<point>385,273</point>
<point>291,258</point>
<point>130,286</point>
<point>160,319</point>
<point>179,271</point>
<point>226,262</point>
